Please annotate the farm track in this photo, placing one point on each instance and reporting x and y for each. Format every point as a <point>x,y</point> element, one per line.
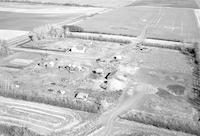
<point>42,119</point>
<point>81,18</point>
<point>37,110</point>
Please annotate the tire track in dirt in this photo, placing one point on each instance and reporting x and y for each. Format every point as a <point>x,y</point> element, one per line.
<point>38,117</point>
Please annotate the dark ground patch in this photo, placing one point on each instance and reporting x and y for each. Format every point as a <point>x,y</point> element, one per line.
<point>177,89</point>
<point>167,3</point>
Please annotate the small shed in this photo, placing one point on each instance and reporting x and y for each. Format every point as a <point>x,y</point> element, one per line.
<point>78,49</point>
<point>83,96</point>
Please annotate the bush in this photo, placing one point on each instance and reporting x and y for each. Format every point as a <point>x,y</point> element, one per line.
<point>47,32</point>
<point>53,31</point>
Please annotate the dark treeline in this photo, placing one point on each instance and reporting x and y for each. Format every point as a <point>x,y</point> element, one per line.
<point>194,96</point>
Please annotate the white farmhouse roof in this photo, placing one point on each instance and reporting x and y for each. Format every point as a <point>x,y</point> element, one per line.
<point>82,96</point>
<point>78,49</point>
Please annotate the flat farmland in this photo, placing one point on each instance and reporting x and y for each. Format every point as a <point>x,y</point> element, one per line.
<point>15,16</point>
<point>162,23</point>
<point>167,3</point>
<point>27,21</point>
<point>96,3</point>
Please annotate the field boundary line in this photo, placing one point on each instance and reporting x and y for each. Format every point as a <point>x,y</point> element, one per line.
<point>126,39</point>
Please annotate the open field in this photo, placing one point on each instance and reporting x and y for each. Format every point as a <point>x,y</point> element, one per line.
<point>16,16</point>
<point>96,3</point>
<point>19,21</point>
<point>47,9</point>
<point>160,23</point>
<point>167,3</point>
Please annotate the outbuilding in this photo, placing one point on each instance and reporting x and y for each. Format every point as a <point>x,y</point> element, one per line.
<point>82,96</point>
<point>79,49</point>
